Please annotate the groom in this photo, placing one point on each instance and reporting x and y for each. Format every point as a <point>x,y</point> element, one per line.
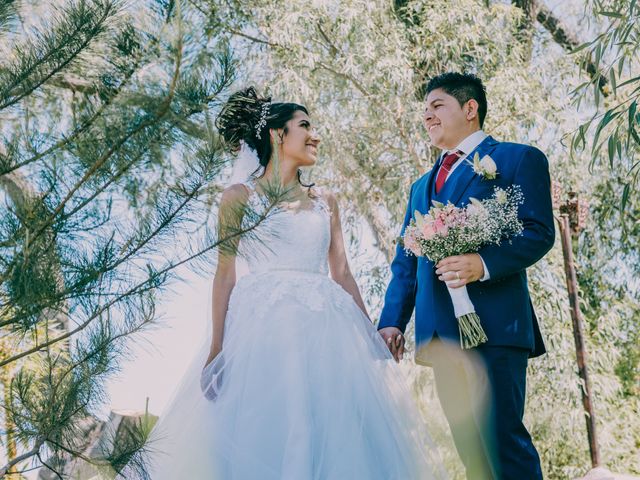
<point>482,390</point>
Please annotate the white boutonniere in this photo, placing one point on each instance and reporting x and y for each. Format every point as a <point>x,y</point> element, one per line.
<point>485,167</point>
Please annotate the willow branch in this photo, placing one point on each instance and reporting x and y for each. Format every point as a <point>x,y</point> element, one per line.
<point>563,36</point>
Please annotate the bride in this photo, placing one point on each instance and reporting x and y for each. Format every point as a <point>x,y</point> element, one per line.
<point>297,383</point>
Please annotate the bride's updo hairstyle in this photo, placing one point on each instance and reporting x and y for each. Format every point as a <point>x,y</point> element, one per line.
<point>240,120</point>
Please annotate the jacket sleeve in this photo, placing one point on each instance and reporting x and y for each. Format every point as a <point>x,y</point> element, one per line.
<point>400,297</point>
<point>536,213</point>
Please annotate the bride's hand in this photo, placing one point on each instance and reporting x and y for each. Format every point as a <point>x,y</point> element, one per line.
<point>211,376</point>
<point>394,340</point>
<point>212,355</point>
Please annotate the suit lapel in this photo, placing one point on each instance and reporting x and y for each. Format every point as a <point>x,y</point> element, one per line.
<point>430,180</point>
<point>462,176</point>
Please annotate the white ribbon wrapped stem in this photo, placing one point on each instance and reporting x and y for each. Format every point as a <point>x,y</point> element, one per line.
<point>461,302</point>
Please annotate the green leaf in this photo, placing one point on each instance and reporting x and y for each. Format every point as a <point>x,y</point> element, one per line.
<point>626,32</point>
<point>579,88</point>
<point>581,47</point>
<point>611,14</point>
<point>625,197</point>
<point>598,54</point>
<point>621,63</point>
<point>611,148</point>
<point>631,80</point>
<point>612,80</point>
<point>608,116</point>
<point>579,138</point>
<point>632,114</point>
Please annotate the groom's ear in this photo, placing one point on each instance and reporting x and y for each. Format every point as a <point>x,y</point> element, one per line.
<point>471,110</point>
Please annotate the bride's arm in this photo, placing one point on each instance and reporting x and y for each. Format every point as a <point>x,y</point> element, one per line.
<point>338,264</point>
<point>225,277</point>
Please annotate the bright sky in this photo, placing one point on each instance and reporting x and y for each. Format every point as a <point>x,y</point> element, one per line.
<point>161,356</point>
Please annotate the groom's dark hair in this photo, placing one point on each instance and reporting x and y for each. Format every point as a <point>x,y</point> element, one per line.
<point>463,87</point>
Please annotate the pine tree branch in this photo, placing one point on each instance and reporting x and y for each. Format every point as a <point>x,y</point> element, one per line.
<point>67,138</point>
<point>50,467</point>
<point>21,193</point>
<point>75,453</point>
<point>8,13</point>
<point>76,84</point>
<point>71,211</point>
<point>164,108</point>
<point>34,451</point>
<point>141,287</point>
<point>24,72</point>
<point>72,290</point>
<point>102,188</point>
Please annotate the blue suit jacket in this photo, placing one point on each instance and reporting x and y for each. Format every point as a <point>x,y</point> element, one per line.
<point>503,302</point>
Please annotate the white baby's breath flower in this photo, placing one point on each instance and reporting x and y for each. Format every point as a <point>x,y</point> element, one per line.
<point>476,208</point>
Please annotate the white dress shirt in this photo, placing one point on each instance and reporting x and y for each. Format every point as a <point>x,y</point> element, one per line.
<point>467,146</point>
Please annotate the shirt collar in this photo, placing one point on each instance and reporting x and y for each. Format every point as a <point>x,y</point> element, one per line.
<point>470,143</point>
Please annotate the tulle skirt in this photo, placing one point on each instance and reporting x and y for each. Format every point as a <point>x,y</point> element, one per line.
<point>303,389</point>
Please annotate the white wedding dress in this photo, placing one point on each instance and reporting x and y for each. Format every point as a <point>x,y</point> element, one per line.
<point>304,388</point>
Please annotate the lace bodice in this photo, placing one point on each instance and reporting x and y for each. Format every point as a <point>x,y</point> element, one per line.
<point>291,238</point>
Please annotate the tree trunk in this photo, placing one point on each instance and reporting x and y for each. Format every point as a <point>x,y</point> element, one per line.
<point>562,35</point>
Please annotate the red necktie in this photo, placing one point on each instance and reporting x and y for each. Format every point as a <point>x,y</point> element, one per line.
<point>445,168</point>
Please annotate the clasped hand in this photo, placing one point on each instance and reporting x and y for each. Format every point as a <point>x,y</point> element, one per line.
<point>460,270</point>
<point>394,340</point>
<point>457,271</point>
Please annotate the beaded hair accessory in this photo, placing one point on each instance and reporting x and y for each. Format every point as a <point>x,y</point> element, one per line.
<point>263,119</point>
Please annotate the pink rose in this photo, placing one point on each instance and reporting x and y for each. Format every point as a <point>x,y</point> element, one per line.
<point>440,227</point>
<point>428,231</point>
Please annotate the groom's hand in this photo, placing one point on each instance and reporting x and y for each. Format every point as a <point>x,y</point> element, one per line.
<point>394,339</point>
<point>460,270</point>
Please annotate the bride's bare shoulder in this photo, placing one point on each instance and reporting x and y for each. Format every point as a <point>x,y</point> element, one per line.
<point>235,194</point>
<point>327,195</point>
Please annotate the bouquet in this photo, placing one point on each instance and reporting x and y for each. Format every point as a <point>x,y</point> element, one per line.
<point>447,230</point>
